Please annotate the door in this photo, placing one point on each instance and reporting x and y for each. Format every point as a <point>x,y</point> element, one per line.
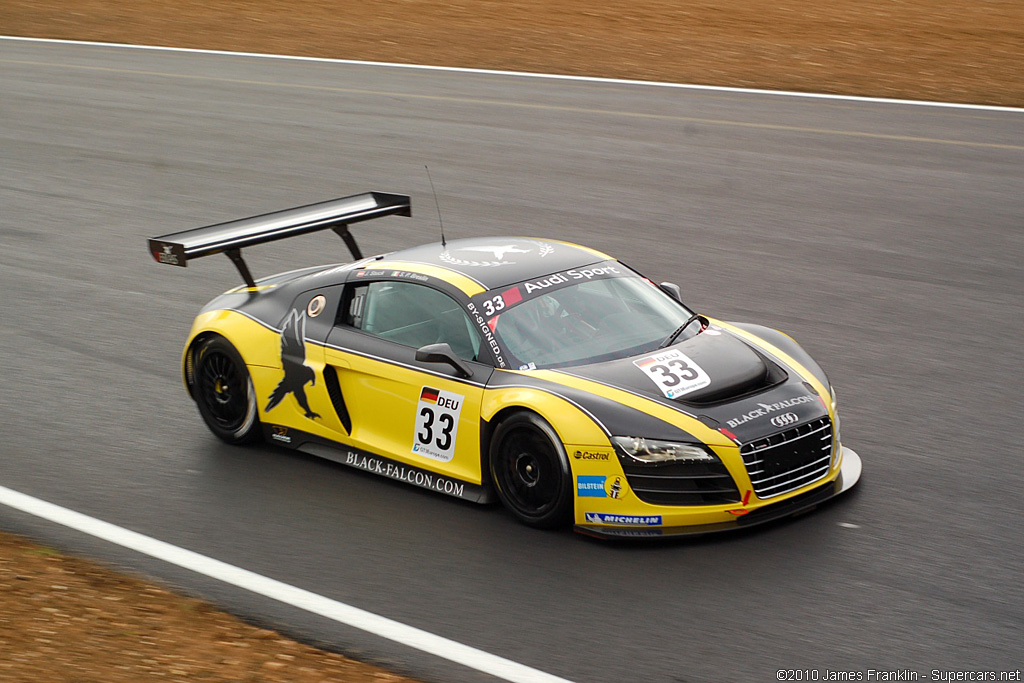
<point>414,412</point>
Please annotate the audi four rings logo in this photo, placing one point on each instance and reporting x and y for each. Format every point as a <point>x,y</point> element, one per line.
<point>785,419</point>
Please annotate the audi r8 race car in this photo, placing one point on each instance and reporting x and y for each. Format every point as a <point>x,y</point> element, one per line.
<point>546,374</point>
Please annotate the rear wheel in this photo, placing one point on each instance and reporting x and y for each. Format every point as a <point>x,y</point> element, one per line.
<point>531,472</point>
<point>224,393</point>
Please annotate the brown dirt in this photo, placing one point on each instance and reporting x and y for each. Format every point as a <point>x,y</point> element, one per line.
<point>65,619</point>
<point>953,50</point>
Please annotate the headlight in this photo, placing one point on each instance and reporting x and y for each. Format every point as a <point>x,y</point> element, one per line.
<point>655,451</point>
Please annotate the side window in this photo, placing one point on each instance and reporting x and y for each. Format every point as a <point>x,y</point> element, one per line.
<point>413,315</point>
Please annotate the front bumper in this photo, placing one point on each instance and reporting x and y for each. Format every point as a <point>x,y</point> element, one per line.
<point>849,474</point>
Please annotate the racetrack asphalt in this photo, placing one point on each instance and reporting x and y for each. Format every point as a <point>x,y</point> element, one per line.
<point>885,238</point>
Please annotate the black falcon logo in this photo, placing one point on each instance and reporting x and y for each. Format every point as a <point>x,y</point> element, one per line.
<point>293,359</point>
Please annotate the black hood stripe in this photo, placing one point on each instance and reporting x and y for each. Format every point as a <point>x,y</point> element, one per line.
<point>792,364</point>
<point>647,397</point>
<point>612,416</point>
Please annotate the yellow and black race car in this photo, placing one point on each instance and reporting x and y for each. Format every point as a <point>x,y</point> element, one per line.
<point>547,373</point>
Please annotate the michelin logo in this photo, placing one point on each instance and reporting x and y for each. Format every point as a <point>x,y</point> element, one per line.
<point>622,520</point>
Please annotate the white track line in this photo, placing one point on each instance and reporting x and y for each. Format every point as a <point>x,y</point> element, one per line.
<point>290,595</point>
<point>528,74</point>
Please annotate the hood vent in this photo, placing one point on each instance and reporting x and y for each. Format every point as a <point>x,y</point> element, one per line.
<point>753,379</point>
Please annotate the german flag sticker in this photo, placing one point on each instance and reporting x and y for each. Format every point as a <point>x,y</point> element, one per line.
<point>429,395</point>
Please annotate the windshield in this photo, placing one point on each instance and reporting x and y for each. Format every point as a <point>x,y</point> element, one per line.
<point>583,316</point>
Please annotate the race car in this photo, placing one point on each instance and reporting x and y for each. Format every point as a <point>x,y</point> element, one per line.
<point>543,374</point>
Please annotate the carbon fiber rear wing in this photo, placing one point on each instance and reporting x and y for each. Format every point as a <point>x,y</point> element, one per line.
<point>177,249</point>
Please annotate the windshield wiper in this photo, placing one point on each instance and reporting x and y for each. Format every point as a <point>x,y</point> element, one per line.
<point>679,330</point>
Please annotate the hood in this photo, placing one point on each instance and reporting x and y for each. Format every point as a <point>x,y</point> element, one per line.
<point>719,378</point>
<point>712,367</point>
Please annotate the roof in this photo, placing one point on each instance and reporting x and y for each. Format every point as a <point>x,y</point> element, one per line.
<point>498,261</point>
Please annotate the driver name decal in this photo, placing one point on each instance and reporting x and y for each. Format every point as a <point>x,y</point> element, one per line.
<point>437,424</point>
<point>673,372</point>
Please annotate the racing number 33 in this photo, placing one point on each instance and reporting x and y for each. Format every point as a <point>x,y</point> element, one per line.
<point>674,372</point>
<point>437,424</point>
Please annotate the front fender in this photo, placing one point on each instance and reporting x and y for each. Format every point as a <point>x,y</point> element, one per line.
<point>786,344</point>
<point>569,420</point>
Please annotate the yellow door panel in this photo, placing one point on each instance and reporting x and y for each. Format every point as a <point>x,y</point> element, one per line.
<point>409,415</point>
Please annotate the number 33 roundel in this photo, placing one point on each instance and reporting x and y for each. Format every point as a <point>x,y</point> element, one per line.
<point>674,372</point>
<point>437,422</point>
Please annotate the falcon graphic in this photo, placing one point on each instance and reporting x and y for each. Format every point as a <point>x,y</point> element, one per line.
<point>499,252</point>
<point>293,359</point>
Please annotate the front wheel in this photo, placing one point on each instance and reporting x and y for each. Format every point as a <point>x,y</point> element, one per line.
<point>531,472</point>
<point>224,393</point>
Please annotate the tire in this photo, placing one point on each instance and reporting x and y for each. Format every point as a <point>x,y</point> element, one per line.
<point>224,393</point>
<point>530,471</point>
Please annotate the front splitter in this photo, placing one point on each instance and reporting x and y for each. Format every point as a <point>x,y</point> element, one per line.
<point>849,474</point>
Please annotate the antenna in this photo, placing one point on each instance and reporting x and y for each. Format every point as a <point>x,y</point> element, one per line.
<point>444,245</point>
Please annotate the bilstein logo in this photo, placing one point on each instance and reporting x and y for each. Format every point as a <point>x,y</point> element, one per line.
<point>785,419</point>
<point>589,455</point>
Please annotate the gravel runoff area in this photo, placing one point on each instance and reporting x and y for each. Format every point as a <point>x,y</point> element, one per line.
<point>950,50</point>
<point>67,619</point>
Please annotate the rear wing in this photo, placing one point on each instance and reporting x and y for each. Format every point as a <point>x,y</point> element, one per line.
<point>177,249</point>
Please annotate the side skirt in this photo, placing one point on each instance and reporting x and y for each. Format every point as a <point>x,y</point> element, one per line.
<point>385,467</point>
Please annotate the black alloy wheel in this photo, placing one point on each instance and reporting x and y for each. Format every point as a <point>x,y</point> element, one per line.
<point>224,393</point>
<point>531,472</point>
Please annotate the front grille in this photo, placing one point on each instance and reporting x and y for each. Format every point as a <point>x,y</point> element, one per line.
<point>786,461</point>
<point>681,483</point>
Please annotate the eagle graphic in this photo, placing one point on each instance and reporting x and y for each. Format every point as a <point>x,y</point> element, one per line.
<point>293,359</point>
<point>498,251</point>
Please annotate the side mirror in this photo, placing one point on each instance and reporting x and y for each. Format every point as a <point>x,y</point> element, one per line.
<point>672,289</point>
<point>442,353</point>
